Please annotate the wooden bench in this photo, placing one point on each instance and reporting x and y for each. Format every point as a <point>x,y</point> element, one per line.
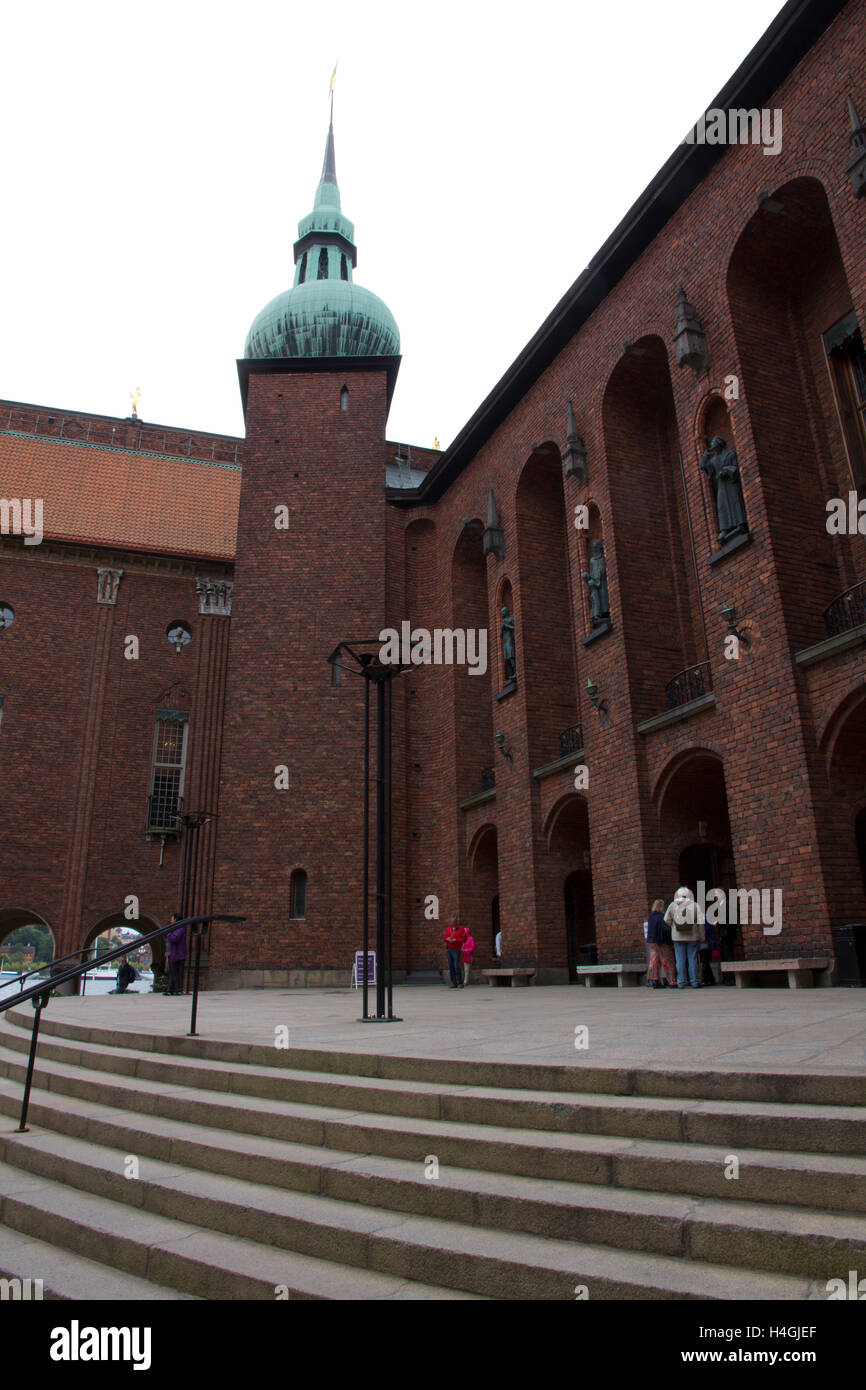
<point>625,974</point>
<point>518,976</point>
<point>801,970</point>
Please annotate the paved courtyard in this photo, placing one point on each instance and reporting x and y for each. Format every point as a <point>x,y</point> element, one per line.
<point>720,1028</point>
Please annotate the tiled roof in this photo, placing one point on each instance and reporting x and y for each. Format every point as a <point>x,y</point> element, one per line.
<point>101,495</point>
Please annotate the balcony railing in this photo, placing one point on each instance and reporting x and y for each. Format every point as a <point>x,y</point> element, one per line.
<point>571,740</point>
<point>689,685</point>
<point>847,611</point>
<point>488,779</point>
<point>163,813</point>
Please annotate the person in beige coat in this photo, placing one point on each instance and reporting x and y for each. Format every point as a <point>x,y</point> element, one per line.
<point>688,934</point>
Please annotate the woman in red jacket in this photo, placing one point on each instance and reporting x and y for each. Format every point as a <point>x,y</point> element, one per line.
<point>455,935</point>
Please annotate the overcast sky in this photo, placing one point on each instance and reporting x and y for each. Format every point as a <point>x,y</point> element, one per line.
<point>156,159</point>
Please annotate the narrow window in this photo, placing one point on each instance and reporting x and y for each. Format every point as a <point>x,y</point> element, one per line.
<point>298,892</point>
<point>847,357</point>
<point>302,273</point>
<point>323,263</point>
<point>168,771</point>
<point>344,269</point>
<point>344,398</point>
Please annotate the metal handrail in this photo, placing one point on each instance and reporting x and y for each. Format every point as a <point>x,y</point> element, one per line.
<point>49,965</point>
<point>41,993</point>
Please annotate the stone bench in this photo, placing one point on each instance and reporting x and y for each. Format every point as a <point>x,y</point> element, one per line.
<point>519,976</point>
<point>801,970</point>
<point>625,974</point>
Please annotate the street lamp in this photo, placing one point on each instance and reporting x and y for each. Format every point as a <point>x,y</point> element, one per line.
<point>363,658</point>
<point>192,821</point>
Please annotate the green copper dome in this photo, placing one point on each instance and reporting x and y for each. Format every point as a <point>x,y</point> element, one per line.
<point>324,314</point>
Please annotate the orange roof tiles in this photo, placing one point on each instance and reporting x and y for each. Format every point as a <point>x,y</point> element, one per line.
<point>99,495</point>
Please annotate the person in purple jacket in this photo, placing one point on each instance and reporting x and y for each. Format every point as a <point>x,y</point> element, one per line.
<point>176,941</point>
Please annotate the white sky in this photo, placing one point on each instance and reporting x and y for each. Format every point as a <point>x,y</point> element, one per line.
<point>156,159</point>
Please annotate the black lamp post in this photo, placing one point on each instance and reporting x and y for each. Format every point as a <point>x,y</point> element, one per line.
<point>192,822</point>
<point>363,658</point>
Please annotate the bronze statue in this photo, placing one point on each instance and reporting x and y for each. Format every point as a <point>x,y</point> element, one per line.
<point>509,653</point>
<point>721,467</point>
<point>596,581</point>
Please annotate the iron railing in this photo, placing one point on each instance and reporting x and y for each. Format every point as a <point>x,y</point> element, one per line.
<point>689,685</point>
<point>847,611</point>
<point>41,993</point>
<point>571,740</point>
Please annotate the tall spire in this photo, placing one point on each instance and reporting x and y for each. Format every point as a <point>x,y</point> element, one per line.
<point>329,166</point>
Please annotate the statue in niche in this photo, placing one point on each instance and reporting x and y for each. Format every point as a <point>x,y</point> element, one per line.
<point>596,580</point>
<point>721,467</point>
<point>506,637</point>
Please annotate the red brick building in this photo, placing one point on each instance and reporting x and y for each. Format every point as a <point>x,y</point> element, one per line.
<point>167,641</point>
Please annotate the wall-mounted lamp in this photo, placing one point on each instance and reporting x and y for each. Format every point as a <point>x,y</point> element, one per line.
<point>500,744</point>
<point>592,692</point>
<point>730,616</point>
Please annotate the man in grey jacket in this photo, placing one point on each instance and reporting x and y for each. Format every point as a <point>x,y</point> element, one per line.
<point>688,934</point>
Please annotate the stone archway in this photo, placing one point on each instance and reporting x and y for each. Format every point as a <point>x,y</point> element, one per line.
<point>572,940</point>
<point>696,849</point>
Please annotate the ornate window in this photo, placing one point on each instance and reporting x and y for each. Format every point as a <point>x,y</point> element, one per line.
<point>302,273</point>
<point>323,263</point>
<point>298,895</point>
<point>344,269</point>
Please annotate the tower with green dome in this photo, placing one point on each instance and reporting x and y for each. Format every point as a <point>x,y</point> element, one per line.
<point>324,314</point>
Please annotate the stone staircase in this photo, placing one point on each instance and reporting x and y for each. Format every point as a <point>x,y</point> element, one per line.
<point>171,1168</point>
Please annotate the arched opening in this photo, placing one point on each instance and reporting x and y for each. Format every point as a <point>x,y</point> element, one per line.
<point>114,931</point>
<point>843,827</point>
<point>695,848</point>
<point>480,909</point>
<point>26,942</point>
<point>790,303</point>
<point>655,571</point>
<point>545,605</point>
<point>473,718</point>
<point>569,940</point>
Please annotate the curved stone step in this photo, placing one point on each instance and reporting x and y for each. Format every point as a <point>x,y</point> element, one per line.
<point>349,1204</point>
<point>71,1277</point>
<point>444,1256</point>
<point>810,1180</point>
<point>131,1244</point>
<point>811,1128</point>
<point>828,1087</point>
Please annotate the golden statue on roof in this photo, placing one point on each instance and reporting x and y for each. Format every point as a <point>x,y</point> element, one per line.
<point>135,397</point>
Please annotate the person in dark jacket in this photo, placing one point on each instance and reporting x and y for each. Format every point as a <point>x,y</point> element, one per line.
<point>125,977</point>
<point>658,937</point>
<point>176,942</point>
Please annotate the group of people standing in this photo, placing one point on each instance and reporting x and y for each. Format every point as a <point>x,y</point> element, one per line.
<point>460,948</point>
<point>683,948</point>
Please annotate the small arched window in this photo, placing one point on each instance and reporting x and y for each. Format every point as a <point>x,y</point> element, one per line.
<point>302,273</point>
<point>344,398</point>
<point>298,895</point>
<point>344,269</point>
<point>323,263</point>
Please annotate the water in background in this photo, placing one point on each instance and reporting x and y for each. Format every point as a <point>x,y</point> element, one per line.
<point>142,985</point>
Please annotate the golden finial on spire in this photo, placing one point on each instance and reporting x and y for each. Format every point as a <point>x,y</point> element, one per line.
<point>333,80</point>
